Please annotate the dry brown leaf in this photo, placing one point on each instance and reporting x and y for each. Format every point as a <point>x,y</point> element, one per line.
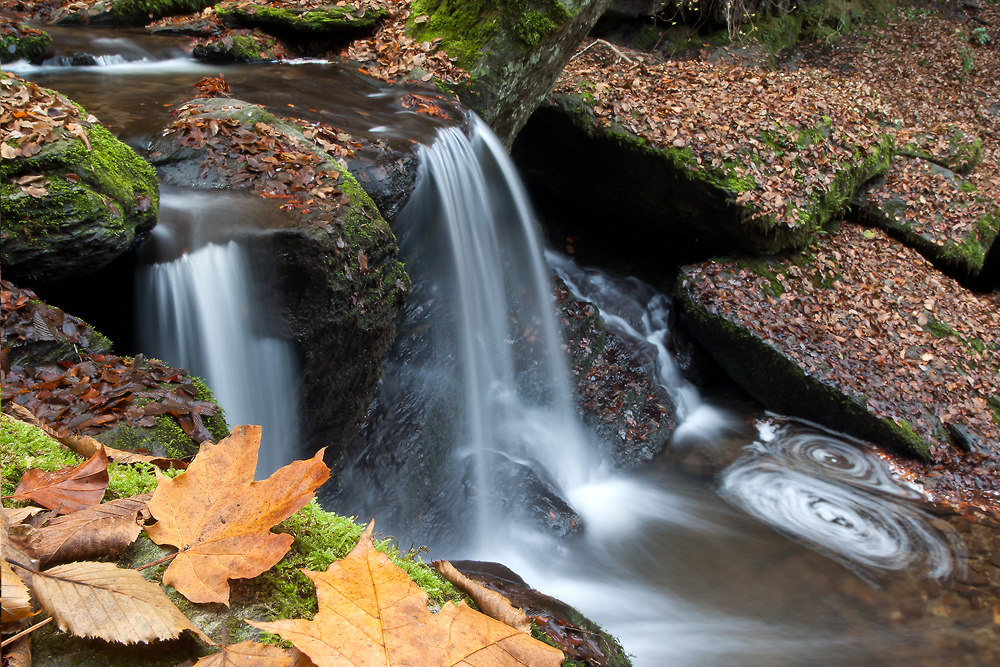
<point>69,489</point>
<point>20,514</point>
<point>13,551</point>
<point>220,518</point>
<point>18,654</point>
<point>16,598</point>
<point>371,613</point>
<point>490,602</point>
<point>103,530</point>
<point>8,152</point>
<point>252,654</point>
<point>102,600</point>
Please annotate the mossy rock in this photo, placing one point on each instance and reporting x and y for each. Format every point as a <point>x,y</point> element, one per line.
<point>513,51</point>
<point>21,42</point>
<point>325,20</point>
<point>121,13</point>
<point>251,47</point>
<point>960,228</point>
<point>343,319</point>
<point>952,148</point>
<point>782,385</point>
<point>97,202</point>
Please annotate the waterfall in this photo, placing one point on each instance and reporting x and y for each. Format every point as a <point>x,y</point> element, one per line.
<point>200,311</point>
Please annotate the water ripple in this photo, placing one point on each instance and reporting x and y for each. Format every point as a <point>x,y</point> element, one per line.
<point>838,498</point>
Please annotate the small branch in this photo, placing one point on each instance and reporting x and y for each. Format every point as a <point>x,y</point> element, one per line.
<point>607,44</point>
<point>11,640</point>
<point>157,562</point>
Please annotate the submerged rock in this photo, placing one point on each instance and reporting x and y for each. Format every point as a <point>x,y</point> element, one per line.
<point>72,196</point>
<point>336,268</point>
<point>860,335</point>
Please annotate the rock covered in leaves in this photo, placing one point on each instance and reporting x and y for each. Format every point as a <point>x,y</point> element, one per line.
<point>61,369</point>
<point>239,45</point>
<point>72,196</point>
<point>336,262</point>
<point>728,154</point>
<point>19,41</point>
<point>861,335</point>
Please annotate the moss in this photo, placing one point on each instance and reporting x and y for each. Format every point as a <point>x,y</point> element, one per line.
<point>143,11</point>
<point>320,538</point>
<point>325,19</point>
<point>465,28</point>
<point>216,424</point>
<point>939,329</point>
<point>28,47</point>
<point>23,447</point>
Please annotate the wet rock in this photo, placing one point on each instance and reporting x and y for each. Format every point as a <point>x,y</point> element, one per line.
<point>336,268</point>
<point>387,173</point>
<point>581,639</point>
<point>242,46</point>
<point>936,211</point>
<point>514,53</point>
<point>123,12</point>
<point>20,41</point>
<point>82,59</point>
<point>518,491</point>
<point>305,22</point>
<point>72,205</point>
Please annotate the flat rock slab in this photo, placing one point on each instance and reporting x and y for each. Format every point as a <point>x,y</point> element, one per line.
<point>861,335</point>
<point>939,212</point>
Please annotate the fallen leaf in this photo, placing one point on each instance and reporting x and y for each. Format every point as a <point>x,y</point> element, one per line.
<point>371,613</point>
<point>491,603</point>
<point>220,519</point>
<point>18,654</point>
<point>102,530</point>
<point>21,514</point>
<point>252,654</point>
<point>16,598</point>
<point>69,489</point>
<point>8,152</point>
<point>105,601</point>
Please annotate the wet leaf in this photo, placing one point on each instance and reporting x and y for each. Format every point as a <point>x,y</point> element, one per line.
<point>69,489</point>
<point>103,530</point>
<point>371,613</point>
<point>220,519</point>
<point>104,601</point>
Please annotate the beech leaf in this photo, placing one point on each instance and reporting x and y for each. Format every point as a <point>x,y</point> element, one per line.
<point>220,519</point>
<point>16,599</point>
<point>372,614</point>
<point>103,530</point>
<point>105,601</point>
<point>252,654</point>
<point>69,489</point>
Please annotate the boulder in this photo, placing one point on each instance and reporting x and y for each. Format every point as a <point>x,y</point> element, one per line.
<point>305,22</point>
<point>512,52</point>
<point>335,262</point>
<point>937,211</point>
<point>860,334</point>
<point>72,196</point>
<point>19,41</point>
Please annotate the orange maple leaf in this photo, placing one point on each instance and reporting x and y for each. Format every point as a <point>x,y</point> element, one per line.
<point>372,614</point>
<point>220,519</point>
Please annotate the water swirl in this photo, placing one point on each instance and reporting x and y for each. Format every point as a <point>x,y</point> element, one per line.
<point>838,498</point>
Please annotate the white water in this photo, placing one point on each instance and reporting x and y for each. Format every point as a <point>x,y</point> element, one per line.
<point>655,555</point>
<point>199,312</point>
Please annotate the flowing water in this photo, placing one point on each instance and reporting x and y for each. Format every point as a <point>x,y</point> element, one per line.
<point>807,549</point>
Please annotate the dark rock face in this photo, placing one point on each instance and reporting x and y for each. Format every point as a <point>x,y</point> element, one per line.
<point>340,313</point>
<point>513,55</point>
<point>97,202</point>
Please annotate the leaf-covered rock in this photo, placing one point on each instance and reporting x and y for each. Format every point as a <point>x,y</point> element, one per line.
<point>20,41</point>
<point>309,18</point>
<point>72,196</point>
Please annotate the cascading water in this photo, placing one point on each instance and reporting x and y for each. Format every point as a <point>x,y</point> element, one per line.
<point>199,311</point>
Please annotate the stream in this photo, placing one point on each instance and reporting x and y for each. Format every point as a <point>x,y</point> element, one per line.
<point>806,548</point>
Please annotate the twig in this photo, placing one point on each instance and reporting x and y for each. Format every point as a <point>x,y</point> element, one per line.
<point>607,44</point>
<point>157,562</point>
<point>11,640</point>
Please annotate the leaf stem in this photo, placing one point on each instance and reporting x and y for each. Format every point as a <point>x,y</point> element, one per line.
<point>157,562</point>
<point>11,640</point>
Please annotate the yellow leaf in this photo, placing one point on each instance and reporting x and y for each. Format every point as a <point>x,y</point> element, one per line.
<point>16,599</point>
<point>372,614</point>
